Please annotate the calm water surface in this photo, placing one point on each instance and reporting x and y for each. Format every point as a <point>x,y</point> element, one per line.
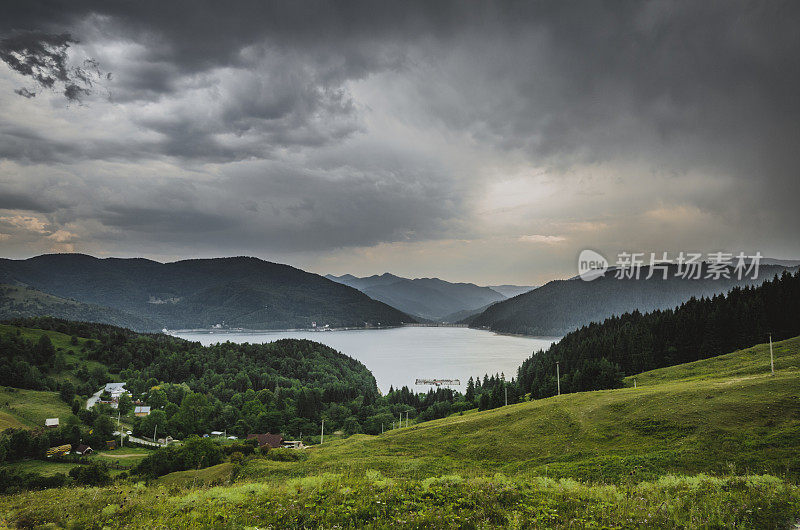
<point>399,356</point>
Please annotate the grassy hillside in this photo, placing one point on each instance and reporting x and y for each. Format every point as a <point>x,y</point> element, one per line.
<point>713,444</point>
<point>241,292</point>
<point>745,362</point>
<point>721,415</point>
<point>29,408</point>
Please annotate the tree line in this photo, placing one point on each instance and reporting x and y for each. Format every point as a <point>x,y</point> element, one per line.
<point>599,355</point>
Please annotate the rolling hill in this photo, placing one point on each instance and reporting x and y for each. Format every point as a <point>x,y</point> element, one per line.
<point>709,444</point>
<point>428,298</point>
<point>561,306</point>
<point>237,292</point>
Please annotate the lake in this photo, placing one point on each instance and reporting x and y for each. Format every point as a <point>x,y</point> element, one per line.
<point>398,356</point>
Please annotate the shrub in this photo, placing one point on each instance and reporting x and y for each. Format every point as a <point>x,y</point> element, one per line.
<point>94,474</point>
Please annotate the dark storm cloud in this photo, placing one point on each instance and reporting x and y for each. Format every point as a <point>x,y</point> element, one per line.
<point>10,200</point>
<point>267,96</point>
<point>42,57</point>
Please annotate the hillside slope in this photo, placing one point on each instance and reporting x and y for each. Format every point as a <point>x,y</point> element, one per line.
<point>241,292</point>
<point>510,467</point>
<point>710,416</point>
<point>17,301</point>
<point>428,298</point>
<point>561,306</point>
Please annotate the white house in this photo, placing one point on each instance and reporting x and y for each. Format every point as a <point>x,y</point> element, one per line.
<point>51,422</point>
<point>144,410</point>
<point>115,389</point>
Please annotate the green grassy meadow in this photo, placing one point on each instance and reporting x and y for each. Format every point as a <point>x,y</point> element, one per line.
<point>29,408</point>
<point>711,444</point>
<point>721,416</point>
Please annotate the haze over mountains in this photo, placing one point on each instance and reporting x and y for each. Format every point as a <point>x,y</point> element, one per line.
<point>561,306</point>
<point>148,295</point>
<point>428,298</point>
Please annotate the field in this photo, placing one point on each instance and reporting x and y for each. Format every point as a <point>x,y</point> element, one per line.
<point>29,408</point>
<point>40,467</point>
<point>710,444</point>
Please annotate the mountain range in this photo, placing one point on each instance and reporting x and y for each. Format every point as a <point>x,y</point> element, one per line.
<point>427,298</point>
<point>147,295</point>
<point>561,306</point>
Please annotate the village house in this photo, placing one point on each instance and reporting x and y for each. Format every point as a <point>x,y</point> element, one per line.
<point>51,422</point>
<point>293,444</point>
<point>115,390</point>
<point>141,411</point>
<point>272,440</point>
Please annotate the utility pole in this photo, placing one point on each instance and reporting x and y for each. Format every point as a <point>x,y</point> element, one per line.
<point>155,429</point>
<point>558,378</point>
<point>771,358</point>
<point>406,418</point>
<point>505,387</point>
<point>381,428</point>
<point>118,428</point>
<point>322,434</point>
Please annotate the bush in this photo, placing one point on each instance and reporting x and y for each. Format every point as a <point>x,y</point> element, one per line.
<point>94,474</point>
<point>244,449</point>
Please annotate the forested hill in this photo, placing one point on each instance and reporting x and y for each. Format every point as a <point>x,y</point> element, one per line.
<point>561,306</point>
<point>598,355</point>
<point>283,386</point>
<point>239,292</point>
<point>286,387</point>
<point>18,301</point>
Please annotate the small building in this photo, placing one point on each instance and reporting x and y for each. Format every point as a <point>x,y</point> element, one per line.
<point>293,444</point>
<point>83,449</point>
<point>272,440</point>
<point>115,389</point>
<point>141,411</point>
<point>51,422</point>
<point>218,434</point>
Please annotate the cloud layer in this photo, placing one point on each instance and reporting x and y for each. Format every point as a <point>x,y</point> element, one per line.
<point>486,142</point>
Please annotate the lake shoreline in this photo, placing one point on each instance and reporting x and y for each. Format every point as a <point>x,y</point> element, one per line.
<point>398,356</point>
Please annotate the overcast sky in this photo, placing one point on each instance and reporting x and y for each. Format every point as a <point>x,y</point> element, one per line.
<point>485,142</point>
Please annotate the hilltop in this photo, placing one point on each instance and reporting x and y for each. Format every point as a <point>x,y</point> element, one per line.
<point>147,295</point>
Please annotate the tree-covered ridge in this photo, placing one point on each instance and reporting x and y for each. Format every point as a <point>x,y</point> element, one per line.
<point>287,386</point>
<point>598,355</point>
<point>18,301</point>
<point>561,306</point>
<point>241,292</point>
